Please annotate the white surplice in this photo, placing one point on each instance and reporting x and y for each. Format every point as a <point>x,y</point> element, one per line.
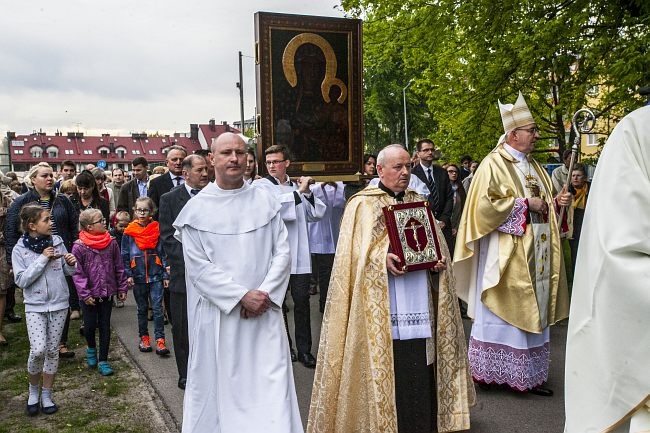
<point>608,340</point>
<point>239,376</point>
<point>297,210</point>
<point>324,233</point>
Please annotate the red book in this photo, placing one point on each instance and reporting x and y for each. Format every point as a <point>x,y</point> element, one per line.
<point>412,235</point>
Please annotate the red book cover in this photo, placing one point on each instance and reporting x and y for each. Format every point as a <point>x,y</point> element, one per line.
<point>412,235</point>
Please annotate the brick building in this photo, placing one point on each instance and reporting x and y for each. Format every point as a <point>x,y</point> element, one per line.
<point>118,151</point>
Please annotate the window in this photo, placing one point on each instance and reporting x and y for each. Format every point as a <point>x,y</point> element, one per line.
<point>18,151</point>
<point>69,152</point>
<point>592,139</point>
<point>36,152</point>
<point>153,152</point>
<point>88,152</point>
<point>52,152</point>
<point>121,152</point>
<point>135,152</point>
<point>103,151</point>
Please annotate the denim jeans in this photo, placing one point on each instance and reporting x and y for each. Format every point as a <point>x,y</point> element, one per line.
<point>142,293</point>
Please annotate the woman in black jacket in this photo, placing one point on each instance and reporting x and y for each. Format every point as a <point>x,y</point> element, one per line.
<point>87,196</point>
<point>65,223</point>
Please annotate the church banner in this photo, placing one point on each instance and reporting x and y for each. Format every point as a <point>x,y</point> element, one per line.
<point>309,96</point>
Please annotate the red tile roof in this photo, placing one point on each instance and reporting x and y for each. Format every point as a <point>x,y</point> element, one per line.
<point>88,149</point>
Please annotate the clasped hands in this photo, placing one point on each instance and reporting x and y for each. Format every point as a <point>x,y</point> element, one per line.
<point>392,264</point>
<point>254,303</point>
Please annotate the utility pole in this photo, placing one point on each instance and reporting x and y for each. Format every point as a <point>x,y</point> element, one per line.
<point>240,84</point>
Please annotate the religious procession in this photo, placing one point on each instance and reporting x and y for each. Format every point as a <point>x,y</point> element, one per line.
<point>328,275</point>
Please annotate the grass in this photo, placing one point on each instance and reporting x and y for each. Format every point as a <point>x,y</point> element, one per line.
<point>88,402</point>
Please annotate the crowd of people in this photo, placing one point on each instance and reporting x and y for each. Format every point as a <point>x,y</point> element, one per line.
<point>392,354</point>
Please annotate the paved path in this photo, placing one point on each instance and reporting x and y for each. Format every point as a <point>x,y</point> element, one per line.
<point>496,411</point>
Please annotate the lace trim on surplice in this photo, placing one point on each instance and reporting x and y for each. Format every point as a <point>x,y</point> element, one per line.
<point>521,369</point>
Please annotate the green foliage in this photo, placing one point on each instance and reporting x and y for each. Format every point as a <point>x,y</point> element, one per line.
<point>464,56</point>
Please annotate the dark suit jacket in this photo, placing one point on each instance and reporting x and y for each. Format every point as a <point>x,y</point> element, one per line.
<point>157,187</point>
<point>128,194</point>
<point>445,193</point>
<point>171,204</point>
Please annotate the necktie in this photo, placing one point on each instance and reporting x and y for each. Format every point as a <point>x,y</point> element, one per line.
<point>178,180</point>
<point>433,190</point>
<point>194,192</point>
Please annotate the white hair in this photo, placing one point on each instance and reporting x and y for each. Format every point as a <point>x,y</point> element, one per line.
<point>381,156</point>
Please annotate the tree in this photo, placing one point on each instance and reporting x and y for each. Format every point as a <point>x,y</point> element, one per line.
<point>465,55</point>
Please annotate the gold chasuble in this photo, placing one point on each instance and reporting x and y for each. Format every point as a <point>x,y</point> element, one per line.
<point>517,291</point>
<point>354,388</point>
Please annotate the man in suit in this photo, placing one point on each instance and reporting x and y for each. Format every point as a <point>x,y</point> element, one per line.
<point>195,173</point>
<point>441,196</point>
<point>465,163</point>
<point>136,187</point>
<point>172,179</point>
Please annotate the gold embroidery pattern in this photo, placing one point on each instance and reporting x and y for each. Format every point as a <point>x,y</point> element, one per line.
<point>354,385</point>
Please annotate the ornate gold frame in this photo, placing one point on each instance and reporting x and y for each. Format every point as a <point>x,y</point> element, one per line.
<point>339,41</point>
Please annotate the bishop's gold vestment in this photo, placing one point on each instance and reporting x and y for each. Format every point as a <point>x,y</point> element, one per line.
<point>512,297</point>
<point>354,388</point>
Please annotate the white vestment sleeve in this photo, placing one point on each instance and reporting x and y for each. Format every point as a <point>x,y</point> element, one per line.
<point>277,278</point>
<point>288,210</point>
<point>208,278</point>
<point>316,211</point>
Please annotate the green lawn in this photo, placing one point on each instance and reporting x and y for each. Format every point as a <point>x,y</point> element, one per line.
<point>87,401</point>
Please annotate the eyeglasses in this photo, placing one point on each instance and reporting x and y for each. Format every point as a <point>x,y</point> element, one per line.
<point>272,163</point>
<point>532,131</point>
<point>103,221</point>
<point>143,210</point>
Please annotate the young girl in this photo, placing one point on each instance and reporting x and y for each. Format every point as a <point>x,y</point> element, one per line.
<point>98,277</point>
<point>40,261</point>
<point>145,265</point>
<point>122,219</point>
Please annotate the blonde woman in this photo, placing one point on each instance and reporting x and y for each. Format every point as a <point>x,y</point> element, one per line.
<point>65,221</point>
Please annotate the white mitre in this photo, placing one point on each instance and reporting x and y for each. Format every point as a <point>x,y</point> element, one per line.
<point>515,116</point>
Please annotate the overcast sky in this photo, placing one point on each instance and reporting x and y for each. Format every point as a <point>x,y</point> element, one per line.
<point>129,66</point>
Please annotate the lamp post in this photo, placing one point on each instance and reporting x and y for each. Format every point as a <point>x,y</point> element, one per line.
<point>406,123</point>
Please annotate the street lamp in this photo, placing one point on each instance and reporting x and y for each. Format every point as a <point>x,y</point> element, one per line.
<point>406,123</point>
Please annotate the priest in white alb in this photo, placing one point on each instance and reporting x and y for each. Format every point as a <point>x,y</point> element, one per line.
<point>608,341</point>
<point>508,260</point>
<point>237,263</point>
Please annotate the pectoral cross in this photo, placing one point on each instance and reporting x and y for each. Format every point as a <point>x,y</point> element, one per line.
<point>414,225</point>
<point>532,185</point>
